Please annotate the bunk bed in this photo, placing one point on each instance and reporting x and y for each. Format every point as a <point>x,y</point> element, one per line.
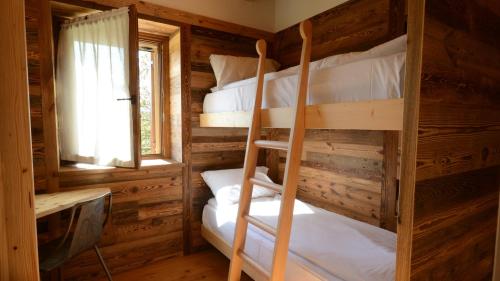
<point>361,90</point>
<point>323,245</point>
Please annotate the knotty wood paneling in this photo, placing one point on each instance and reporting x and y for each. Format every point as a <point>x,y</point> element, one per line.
<point>33,24</point>
<point>356,25</point>
<point>146,221</point>
<point>456,193</point>
<point>342,171</point>
<point>212,148</point>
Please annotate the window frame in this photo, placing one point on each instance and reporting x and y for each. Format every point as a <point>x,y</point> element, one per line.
<point>156,100</point>
<point>162,45</point>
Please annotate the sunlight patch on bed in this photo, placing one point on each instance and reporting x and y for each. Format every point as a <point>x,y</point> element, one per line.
<point>267,208</point>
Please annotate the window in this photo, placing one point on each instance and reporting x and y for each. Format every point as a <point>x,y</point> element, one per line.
<point>150,98</point>
<point>102,121</point>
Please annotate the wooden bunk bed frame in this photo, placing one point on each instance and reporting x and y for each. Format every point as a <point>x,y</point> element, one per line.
<point>379,115</point>
<point>366,115</point>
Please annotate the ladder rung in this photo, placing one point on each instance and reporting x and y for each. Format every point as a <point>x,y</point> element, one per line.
<point>260,224</point>
<point>254,264</point>
<point>274,187</point>
<point>283,145</point>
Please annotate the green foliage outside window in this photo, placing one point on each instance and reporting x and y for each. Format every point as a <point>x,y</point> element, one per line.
<point>146,99</point>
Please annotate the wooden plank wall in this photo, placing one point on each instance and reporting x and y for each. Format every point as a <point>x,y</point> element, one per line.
<point>212,148</point>
<point>343,171</point>
<point>33,15</point>
<point>356,25</point>
<point>456,198</point>
<point>146,223</point>
<point>40,71</point>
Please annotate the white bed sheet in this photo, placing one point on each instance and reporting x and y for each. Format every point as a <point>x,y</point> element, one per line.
<point>369,79</point>
<point>335,247</point>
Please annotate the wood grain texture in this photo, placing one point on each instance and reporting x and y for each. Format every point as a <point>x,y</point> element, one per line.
<point>249,167</point>
<point>362,115</point>
<point>388,202</point>
<point>185,64</point>
<point>147,218</point>
<point>355,25</point>
<point>50,203</point>
<point>18,245</point>
<point>212,148</point>
<point>344,170</point>
<point>47,88</point>
<point>47,91</point>
<point>457,182</point>
<point>146,221</point>
<point>37,93</point>
<point>293,158</point>
<point>409,138</point>
<point>208,265</point>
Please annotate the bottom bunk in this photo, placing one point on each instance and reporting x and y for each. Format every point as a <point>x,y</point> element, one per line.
<point>323,246</point>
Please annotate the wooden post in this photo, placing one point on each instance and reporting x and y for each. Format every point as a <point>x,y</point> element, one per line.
<point>389,188</point>
<point>406,200</point>
<point>185,127</point>
<point>18,244</point>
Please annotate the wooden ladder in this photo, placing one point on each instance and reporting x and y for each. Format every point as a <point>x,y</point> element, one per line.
<point>289,188</point>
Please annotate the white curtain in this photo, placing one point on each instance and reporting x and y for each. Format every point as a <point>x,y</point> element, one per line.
<point>93,99</point>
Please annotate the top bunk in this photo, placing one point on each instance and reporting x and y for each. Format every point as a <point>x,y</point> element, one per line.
<point>353,91</point>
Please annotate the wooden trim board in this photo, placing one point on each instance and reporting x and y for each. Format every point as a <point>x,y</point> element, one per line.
<point>369,115</point>
<point>496,262</point>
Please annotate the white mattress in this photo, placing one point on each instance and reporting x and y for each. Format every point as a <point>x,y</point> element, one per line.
<point>332,246</point>
<point>368,79</point>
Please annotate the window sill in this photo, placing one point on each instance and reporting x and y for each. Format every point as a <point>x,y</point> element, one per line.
<point>146,164</point>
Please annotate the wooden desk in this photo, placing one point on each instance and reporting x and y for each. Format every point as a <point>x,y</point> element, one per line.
<point>47,204</point>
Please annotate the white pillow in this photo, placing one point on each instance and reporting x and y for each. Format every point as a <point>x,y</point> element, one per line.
<point>228,69</point>
<point>226,184</point>
<point>394,46</point>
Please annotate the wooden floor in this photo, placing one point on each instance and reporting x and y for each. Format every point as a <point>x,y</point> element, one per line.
<point>209,265</point>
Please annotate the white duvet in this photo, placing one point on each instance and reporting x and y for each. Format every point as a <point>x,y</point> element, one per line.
<point>372,75</point>
<point>333,246</point>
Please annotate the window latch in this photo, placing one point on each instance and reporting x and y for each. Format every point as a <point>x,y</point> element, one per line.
<point>132,99</point>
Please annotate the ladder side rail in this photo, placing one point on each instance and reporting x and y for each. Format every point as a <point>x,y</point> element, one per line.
<point>250,165</point>
<point>294,153</point>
